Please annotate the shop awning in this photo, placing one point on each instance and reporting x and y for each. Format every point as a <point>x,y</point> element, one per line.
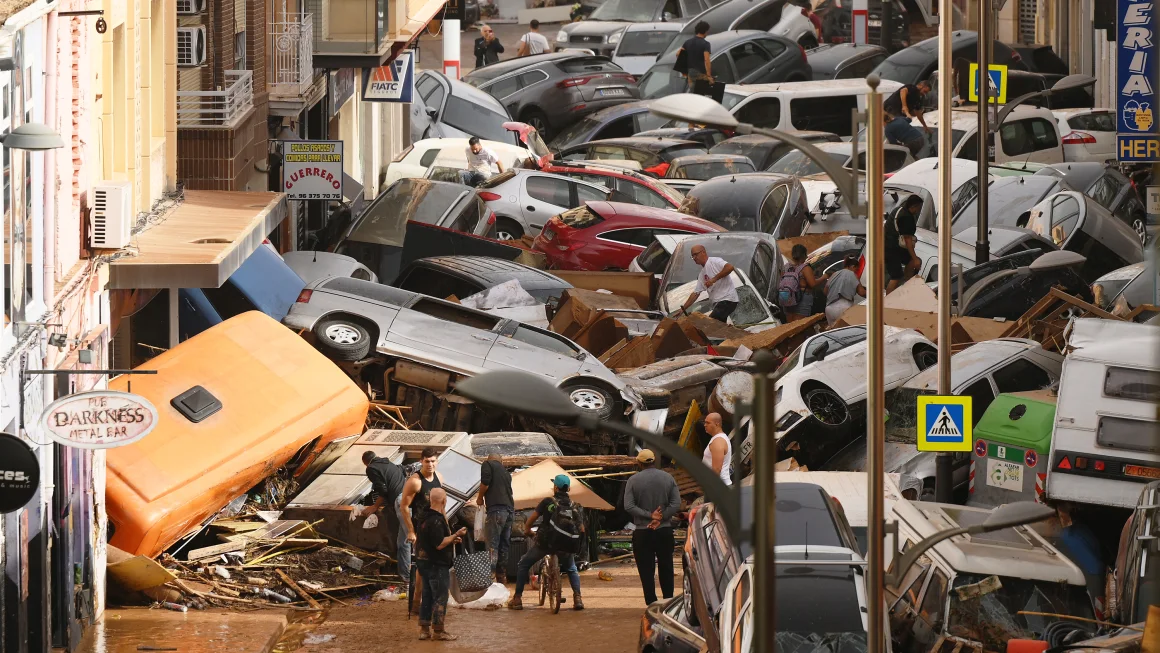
<point>201,242</point>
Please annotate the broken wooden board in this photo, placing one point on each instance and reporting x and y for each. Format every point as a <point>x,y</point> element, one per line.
<point>139,573</point>
<point>207,552</point>
<point>573,462</point>
<point>771,338</point>
<point>702,324</point>
<point>636,353</point>
<point>1046,320</point>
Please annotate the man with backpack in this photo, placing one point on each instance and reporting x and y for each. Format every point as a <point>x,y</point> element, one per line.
<point>561,533</point>
<point>795,290</point>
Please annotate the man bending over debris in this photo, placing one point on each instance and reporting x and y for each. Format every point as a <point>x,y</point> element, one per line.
<point>436,542</point>
<point>714,278</point>
<point>387,479</point>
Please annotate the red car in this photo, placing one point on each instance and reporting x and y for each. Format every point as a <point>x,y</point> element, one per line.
<point>609,235</point>
<point>641,188</point>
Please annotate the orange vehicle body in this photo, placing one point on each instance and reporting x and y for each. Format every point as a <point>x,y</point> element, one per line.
<point>278,394</point>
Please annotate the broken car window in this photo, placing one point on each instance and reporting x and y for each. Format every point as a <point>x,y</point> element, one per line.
<point>453,313</point>
<point>985,608</point>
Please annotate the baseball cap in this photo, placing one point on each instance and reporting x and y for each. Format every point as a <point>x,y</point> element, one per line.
<point>645,456</point>
<point>562,481</point>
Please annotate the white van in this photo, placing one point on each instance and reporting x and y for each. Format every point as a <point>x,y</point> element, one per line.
<point>967,592</point>
<point>1028,134</point>
<point>802,106</point>
<point>1106,442</point>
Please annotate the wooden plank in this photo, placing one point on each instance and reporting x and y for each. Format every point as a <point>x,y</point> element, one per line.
<point>574,462</point>
<point>207,552</point>
<point>294,586</point>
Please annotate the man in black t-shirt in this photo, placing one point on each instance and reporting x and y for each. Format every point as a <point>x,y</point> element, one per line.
<point>900,108</point>
<point>495,487</point>
<point>697,51</point>
<point>900,235</point>
<point>437,542</point>
<point>387,480</point>
<point>542,545</point>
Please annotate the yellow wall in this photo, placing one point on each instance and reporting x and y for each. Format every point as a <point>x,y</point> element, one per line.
<point>137,76</point>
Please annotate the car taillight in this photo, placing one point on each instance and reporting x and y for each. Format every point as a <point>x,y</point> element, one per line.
<point>491,218</point>
<point>803,51</point>
<point>861,265</point>
<point>489,196</point>
<point>402,155</point>
<point>304,296</point>
<point>574,81</point>
<point>1079,138</point>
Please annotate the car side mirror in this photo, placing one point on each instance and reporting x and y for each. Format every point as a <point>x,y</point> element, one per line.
<point>431,113</point>
<point>823,350</point>
<point>668,16</point>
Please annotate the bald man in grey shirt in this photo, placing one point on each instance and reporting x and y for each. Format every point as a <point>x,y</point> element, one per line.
<point>651,497</point>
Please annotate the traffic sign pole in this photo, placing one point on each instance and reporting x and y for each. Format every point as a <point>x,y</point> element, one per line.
<point>945,117</point>
<point>861,27</point>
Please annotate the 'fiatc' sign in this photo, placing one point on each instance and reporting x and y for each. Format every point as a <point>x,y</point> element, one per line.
<point>99,420</point>
<point>394,82</point>
<point>312,170</point>
<point>1136,34</point>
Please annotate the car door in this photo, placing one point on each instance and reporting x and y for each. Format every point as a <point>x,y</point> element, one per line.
<point>1030,139</point>
<point>432,94</point>
<point>528,349</point>
<point>764,112</point>
<point>751,62</point>
<point>506,90</point>
<point>443,334</point>
<point>543,196</point>
<point>761,272</point>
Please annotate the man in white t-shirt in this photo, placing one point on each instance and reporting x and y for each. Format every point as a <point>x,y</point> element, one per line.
<point>480,159</point>
<point>714,278</point>
<point>533,42</point>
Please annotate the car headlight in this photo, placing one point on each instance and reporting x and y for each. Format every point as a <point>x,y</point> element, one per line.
<point>613,39</point>
<point>561,37</point>
<point>787,421</point>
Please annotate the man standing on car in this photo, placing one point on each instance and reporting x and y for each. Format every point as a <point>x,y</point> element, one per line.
<point>388,479</point>
<point>900,108</point>
<point>714,278</point>
<point>480,159</point>
<point>533,42</point>
<point>697,51</point>
<point>651,498</point>
<point>487,47</point>
<point>495,487</point>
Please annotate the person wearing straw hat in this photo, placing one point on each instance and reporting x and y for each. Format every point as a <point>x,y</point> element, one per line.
<point>651,498</point>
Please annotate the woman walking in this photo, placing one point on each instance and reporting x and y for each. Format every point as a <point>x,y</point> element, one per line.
<point>795,291</point>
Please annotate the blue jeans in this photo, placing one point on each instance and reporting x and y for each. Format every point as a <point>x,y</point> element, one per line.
<point>402,546</point>
<point>436,586</point>
<point>499,537</point>
<point>900,132</point>
<point>534,555</point>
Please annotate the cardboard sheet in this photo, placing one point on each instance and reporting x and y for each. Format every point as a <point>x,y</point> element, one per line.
<point>535,483</point>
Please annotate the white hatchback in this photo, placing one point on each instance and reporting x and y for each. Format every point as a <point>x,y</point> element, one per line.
<point>1088,134</point>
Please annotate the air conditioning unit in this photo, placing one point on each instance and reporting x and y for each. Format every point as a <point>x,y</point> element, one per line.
<point>190,7</point>
<point>111,223</point>
<point>190,46</point>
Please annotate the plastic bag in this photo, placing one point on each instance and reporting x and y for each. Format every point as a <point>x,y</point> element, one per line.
<point>480,530</point>
<point>371,521</point>
<point>356,511</point>
<point>391,593</point>
<point>493,599</point>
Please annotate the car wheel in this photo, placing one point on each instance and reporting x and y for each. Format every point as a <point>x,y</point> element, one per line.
<point>827,407</point>
<point>508,229</point>
<point>592,399</point>
<point>538,120</point>
<point>809,41</point>
<point>925,356</point>
<point>1141,230</point>
<point>342,339</point>
<point>687,599</point>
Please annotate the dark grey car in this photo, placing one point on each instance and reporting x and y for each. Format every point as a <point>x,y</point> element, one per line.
<point>757,201</point>
<point>554,90</point>
<point>764,151</point>
<point>1108,187</point>
<point>845,60</point>
<point>448,108</point>
<point>739,57</point>
<point>602,31</point>
<point>463,276</point>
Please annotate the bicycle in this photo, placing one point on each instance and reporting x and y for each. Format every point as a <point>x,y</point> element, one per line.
<point>550,582</point>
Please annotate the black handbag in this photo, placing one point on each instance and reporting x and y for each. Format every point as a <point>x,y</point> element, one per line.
<point>703,86</point>
<point>472,571</point>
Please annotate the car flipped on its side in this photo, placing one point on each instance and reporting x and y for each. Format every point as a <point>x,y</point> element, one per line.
<point>352,320</point>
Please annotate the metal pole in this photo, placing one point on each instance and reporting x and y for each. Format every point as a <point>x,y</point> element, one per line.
<point>764,500</point>
<point>451,63</point>
<point>875,398</point>
<point>860,28</point>
<point>982,246</point>
<point>942,480</point>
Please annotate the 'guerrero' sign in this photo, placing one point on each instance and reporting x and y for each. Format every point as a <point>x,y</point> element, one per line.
<point>394,82</point>
<point>99,420</point>
<point>1139,139</point>
<point>312,170</point>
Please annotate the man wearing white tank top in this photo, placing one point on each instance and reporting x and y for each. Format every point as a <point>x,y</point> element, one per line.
<point>719,453</point>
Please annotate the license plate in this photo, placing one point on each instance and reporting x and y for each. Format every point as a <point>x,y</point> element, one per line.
<point>613,92</point>
<point>549,234</point>
<point>1004,475</point>
<point>1141,471</point>
<point>874,23</point>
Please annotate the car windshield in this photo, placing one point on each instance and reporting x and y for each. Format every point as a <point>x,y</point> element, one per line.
<point>644,44</point>
<point>654,258</point>
<point>818,609</point>
<point>632,11</point>
<point>709,170</point>
<point>731,100</point>
<point>902,409</point>
<point>682,268</point>
<point>987,609</point>
<point>800,164</point>
<point>906,66</point>
<point>750,308</point>
<point>820,642</point>
<point>385,220</point>
<point>674,195</point>
<point>661,80</point>
<point>1108,287</point>
<point>577,133</point>
<point>1006,205</point>
<point>476,119</point>
<point>790,363</point>
<point>757,151</point>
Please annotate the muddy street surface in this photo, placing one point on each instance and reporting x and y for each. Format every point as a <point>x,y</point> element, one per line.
<point>610,622</point>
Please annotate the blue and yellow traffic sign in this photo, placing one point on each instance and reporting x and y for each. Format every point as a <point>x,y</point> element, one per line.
<point>944,423</point>
<point>998,79</point>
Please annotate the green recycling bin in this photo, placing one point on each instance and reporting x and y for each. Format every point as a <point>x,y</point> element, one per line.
<point>1012,443</point>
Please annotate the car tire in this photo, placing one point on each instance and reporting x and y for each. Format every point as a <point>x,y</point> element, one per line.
<point>592,399</point>
<point>342,339</point>
<point>809,41</point>
<point>925,356</point>
<point>508,229</point>
<point>827,407</point>
<point>687,598</point>
<point>537,119</point>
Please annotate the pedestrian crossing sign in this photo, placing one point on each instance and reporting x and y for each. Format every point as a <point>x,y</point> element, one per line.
<point>996,84</point>
<point>944,423</point>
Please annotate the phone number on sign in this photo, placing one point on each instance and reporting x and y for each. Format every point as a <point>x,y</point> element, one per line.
<point>334,197</point>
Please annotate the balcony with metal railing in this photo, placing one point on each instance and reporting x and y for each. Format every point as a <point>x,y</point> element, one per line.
<point>223,108</point>
<point>292,56</point>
